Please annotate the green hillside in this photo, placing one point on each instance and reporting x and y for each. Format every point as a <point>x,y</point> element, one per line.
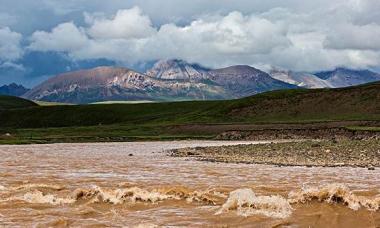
<point>351,103</point>
<point>9,102</point>
<point>159,120</point>
<point>354,103</point>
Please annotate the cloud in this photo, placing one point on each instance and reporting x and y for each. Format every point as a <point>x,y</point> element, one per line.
<point>65,37</point>
<point>11,65</point>
<point>126,24</point>
<point>340,34</point>
<point>358,37</point>
<point>120,39</point>
<point>10,45</point>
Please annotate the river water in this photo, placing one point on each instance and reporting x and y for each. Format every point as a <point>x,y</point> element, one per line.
<point>137,185</point>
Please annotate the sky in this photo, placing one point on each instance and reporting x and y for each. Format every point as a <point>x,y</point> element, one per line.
<point>41,38</point>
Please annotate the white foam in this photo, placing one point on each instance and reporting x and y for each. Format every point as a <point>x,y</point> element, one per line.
<point>334,193</point>
<point>40,198</point>
<point>119,196</point>
<point>246,203</point>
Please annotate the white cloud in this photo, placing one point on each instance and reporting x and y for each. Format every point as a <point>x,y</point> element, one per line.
<point>321,39</point>
<point>10,47</point>
<point>126,24</point>
<point>205,40</point>
<point>13,66</point>
<point>65,37</point>
<point>233,34</point>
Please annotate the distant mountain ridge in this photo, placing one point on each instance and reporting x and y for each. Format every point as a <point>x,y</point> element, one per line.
<point>245,81</point>
<point>301,79</point>
<point>167,80</point>
<point>13,89</point>
<point>239,80</point>
<point>171,80</point>
<point>338,78</point>
<point>111,83</point>
<point>342,77</point>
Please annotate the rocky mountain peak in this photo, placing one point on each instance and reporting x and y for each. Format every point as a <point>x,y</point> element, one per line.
<point>241,69</point>
<point>243,80</point>
<point>13,89</point>
<point>175,69</point>
<point>238,74</point>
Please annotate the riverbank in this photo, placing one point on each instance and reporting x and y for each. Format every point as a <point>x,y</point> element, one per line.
<point>329,153</point>
<point>222,131</point>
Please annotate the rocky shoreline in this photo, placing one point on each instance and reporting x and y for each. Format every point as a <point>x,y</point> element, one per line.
<point>328,153</point>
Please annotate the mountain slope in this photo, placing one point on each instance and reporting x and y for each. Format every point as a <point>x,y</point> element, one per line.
<point>342,77</point>
<point>244,81</point>
<point>175,69</point>
<point>301,79</point>
<point>109,83</point>
<point>349,103</point>
<point>11,102</point>
<point>13,90</point>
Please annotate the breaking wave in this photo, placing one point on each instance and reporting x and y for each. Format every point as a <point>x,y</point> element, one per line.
<point>136,194</point>
<point>246,203</point>
<point>335,193</point>
<point>119,196</point>
<point>41,194</point>
<point>242,201</point>
<point>41,198</point>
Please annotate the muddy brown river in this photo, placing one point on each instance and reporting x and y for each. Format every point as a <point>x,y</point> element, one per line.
<point>137,185</point>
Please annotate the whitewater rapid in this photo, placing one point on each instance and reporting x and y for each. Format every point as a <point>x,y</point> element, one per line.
<point>138,185</point>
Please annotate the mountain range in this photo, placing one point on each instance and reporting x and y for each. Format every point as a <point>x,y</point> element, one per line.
<point>13,90</point>
<point>167,80</point>
<point>301,79</point>
<point>178,80</point>
<point>340,77</point>
<point>120,84</point>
